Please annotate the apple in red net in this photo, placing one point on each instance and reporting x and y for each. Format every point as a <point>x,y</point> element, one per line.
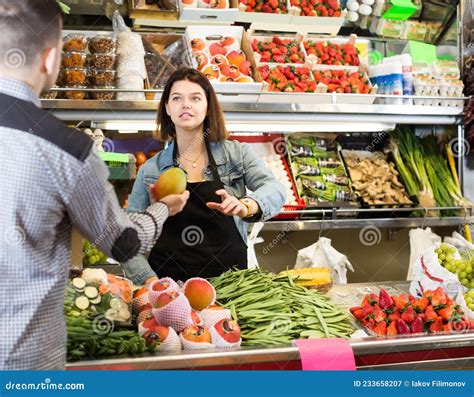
<point>231,71</point>
<point>236,57</point>
<point>199,292</point>
<point>157,333</point>
<point>160,285</point>
<point>197,334</point>
<point>166,298</point>
<point>228,329</point>
<point>217,48</point>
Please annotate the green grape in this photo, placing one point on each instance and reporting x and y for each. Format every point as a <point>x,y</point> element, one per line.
<point>449,268</point>
<point>470,293</point>
<point>465,282</point>
<point>462,275</point>
<point>471,285</point>
<point>438,251</point>
<point>444,247</point>
<point>92,260</point>
<point>469,269</point>
<point>462,265</point>
<point>468,299</point>
<point>441,257</point>
<point>452,250</point>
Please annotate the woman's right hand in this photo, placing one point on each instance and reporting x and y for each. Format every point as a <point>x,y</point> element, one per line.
<point>174,202</point>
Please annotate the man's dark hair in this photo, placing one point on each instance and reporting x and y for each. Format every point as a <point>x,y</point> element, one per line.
<point>27,27</point>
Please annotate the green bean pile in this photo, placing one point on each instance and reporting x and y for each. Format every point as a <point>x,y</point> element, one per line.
<point>273,310</point>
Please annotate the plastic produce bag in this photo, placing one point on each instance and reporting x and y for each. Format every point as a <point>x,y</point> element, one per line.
<point>253,239</point>
<point>102,294</point>
<point>420,240</point>
<point>428,274</point>
<point>458,241</point>
<point>322,254</point>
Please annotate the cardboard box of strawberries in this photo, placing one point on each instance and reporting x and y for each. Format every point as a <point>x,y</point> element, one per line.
<point>434,312</point>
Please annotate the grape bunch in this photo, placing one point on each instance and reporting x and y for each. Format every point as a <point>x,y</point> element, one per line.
<point>92,256</point>
<point>462,267</point>
<point>469,298</point>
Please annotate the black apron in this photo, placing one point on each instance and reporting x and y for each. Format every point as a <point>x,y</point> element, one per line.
<point>199,241</point>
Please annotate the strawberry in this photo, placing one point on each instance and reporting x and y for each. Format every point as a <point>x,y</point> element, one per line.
<point>401,301</point>
<point>294,58</point>
<point>402,327</point>
<point>276,51</point>
<point>379,316</point>
<point>421,304</point>
<point>394,316</point>
<point>417,326</point>
<point>408,315</point>
<point>381,328</point>
<point>273,3</point>
<point>437,325</point>
<point>438,299</point>
<point>279,58</point>
<point>430,314</point>
<point>446,313</point>
<point>392,329</point>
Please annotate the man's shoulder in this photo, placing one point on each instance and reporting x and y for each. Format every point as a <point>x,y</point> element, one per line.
<point>24,116</point>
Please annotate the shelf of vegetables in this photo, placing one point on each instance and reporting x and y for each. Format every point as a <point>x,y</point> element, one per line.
<point>287,311</point>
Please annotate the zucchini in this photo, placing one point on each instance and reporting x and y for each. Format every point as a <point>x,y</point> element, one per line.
<point>81,302</point>
<point>96,300</point>
<point>91,292</point>
<point>124,314</point>
<point>111,314</point>
<point>79,283</point>
<point>115,304</point>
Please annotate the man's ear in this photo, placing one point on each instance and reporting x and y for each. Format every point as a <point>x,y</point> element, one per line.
<point>49,59</point>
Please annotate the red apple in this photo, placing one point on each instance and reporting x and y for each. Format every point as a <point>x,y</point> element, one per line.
<point>166,298</point>
<point>230,71</point>
<point>236,57</point>
<point>217,48</point>
<point>197,333</point>
<point>228,329</point>
<point>160,285</point>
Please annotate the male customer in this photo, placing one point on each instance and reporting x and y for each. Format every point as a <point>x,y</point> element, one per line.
<point>51,180</point>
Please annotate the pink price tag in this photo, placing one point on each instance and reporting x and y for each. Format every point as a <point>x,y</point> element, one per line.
<point>326,354</point>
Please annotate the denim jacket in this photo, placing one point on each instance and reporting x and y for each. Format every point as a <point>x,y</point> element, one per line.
<point>239,169</point>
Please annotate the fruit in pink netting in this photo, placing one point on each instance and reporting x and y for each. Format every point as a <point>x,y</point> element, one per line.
<point>166,298</point>
<point>228,329</point>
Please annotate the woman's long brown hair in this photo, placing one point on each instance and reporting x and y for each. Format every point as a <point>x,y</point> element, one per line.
<point>214,124</point>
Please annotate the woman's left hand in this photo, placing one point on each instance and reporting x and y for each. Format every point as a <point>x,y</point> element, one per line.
<point>230,205</point>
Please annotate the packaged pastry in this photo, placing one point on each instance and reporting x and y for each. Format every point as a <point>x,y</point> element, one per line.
<point>102,61</point>
<point>73,59</point>
<point>75,42</point>
<point>102,95</point>
<point>50,94</point>
<point>73,76</point>
<point>102,44</point>
<point>102,77</point>
<point>77,95</point>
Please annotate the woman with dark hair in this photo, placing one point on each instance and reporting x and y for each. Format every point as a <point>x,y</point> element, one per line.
<point>209,236</point>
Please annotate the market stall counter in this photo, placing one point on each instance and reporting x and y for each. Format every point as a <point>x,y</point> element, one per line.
<point>440,351</point>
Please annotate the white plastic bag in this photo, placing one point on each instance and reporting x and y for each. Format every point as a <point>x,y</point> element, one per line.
<point>420,240</point>
<point>458,241</point>
<point>323,254</point>
<point>252,262</point>
<point>428,274</point>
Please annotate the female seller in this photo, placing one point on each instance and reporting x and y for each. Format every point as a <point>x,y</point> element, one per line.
<point>209,236</point>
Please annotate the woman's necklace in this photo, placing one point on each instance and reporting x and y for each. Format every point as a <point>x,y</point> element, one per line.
<point>193,163</point>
